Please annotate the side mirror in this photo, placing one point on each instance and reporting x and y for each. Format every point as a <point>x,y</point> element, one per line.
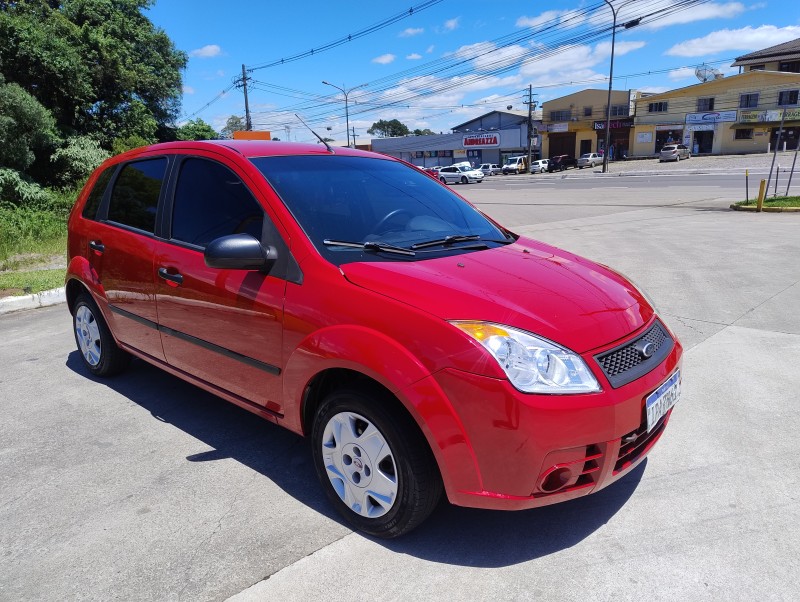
<point>239,252</point>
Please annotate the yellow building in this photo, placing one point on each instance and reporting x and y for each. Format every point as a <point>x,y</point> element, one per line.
<point>727,115</point>
<point>575,124</point>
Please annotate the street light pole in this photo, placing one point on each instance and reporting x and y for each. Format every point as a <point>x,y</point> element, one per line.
<point>610,82</point>
<point>627,25</point>
<point>346,110</point>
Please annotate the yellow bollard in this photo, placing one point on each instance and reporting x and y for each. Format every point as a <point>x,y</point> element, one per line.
<point>762,190</point>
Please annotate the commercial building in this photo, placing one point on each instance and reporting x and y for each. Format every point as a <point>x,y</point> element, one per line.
<point>489,138</point>
<point>730,115</point>
<point>575,124</point>
<point>783,57</point>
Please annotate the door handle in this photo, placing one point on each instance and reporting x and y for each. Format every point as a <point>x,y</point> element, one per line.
<point>97,247</point>
<point>170,278</point>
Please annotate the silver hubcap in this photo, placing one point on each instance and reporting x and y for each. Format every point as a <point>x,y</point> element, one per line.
<point>88,335</point>
<point>359,464</point>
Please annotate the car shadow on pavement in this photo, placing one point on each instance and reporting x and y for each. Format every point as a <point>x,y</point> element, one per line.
<point>493,539</point>
<point>230,431</point>
<point>452,535</point>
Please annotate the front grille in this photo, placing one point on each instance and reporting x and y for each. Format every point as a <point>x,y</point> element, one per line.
<point>626,363</point>
<point>638,443</point>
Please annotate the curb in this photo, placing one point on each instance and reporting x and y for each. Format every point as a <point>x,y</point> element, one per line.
<point>43,299</point>
<point>754,209</point>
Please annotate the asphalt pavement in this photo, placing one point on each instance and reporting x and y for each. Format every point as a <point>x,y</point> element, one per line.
<point>142,487</point>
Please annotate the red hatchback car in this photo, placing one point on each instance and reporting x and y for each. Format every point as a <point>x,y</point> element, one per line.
<point>349,297</point>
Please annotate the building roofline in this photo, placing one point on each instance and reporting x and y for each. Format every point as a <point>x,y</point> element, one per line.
<point>773,74</point>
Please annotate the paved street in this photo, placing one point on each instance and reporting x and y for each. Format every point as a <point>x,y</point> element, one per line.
<point>145,488</point>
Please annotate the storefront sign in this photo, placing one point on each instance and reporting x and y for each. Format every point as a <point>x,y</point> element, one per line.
<point>481,140</point>
<point>459,153</point>
<point>614,125</point>
<point>772,115</point>
<point>558,127</point>
<point>644,137</point>
<point>710,117</point>
<point>701,127</point>
<point>669,126</point>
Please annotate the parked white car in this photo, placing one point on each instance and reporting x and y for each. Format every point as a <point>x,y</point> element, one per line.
<point>539,166</point>
<point>463,174</point>
<point>490,169</point>
<point>589,160</point>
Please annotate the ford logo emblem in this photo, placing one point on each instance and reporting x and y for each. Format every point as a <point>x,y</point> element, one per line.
<point>645,349</point>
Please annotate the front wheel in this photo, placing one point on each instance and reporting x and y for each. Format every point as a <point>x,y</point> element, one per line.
<point>99,351</point>
<point>374,463</point>
<point>463,179</point>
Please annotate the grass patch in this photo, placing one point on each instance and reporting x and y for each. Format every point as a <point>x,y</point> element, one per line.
<point>26,283</point>
<point>781,201</point>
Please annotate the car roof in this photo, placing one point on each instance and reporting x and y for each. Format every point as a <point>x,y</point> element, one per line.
<point>255,148</point>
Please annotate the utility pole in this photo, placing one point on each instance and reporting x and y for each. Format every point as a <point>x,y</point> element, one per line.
<point>354,137</point>
<point>531,105</point>
<point>248,123</point>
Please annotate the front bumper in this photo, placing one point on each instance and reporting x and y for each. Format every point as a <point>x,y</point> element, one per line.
<point>520,451</point>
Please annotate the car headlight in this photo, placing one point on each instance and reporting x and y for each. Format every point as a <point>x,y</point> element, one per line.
<point>532,364</point>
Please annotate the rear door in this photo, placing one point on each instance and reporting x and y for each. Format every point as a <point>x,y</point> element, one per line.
<point>121,252</point>
<point>222,326</point>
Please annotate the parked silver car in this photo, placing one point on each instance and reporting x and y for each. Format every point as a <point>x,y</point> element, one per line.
<point>490,169</point>
<point>460,173</point>
<point>539,166</point>
<point>589,160</point>
<point>674,152</point>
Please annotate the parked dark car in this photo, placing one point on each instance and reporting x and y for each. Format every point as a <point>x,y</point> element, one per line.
<point>561,162</point>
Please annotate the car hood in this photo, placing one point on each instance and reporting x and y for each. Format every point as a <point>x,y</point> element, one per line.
<point>528,285</point>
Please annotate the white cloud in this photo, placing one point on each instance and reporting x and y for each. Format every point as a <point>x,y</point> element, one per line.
<point>430,49</point>
<point>188,90</point>
<point>207,51</point>
<point>701,12</point>
<point>384,59</point>
<point>682,73</point>
<point>565,60</point>
<point>414,56</point>
<point>411,31</point>
<point>746,38</point>
<point>451,24</point>
<point>565,18</point>
<point>603,49</point>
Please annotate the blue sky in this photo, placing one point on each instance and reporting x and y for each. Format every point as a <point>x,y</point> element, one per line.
<point>450,60</point>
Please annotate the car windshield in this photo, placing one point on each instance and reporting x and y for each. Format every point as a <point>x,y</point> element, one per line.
<point>374,205</point>
<point>669,148</point>
<point>464,168</point>
<point>586,155</point>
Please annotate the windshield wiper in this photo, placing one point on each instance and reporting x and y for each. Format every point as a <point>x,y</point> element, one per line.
<point>370,246</point>
<point>447,240</point>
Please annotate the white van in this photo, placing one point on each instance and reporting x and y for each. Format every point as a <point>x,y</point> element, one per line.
<point>515,165</point>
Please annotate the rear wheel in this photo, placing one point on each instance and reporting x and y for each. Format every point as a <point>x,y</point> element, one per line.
<point>442,180</point>
<point>373,462</point>
<point>97,347</point>
<point>464,180</point>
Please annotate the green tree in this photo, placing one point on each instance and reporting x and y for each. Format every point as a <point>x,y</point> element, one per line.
<point>101,67</point>
<point>425,132</point>
<point>77,159</point>
<point>233,124</point>
<point>387,129</point>
<point>196,130</point>
<point>26,128</point>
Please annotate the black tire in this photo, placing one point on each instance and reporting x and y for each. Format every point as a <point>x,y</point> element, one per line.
<point>464,180</point>
<point>442,180</point>
<point>404,462</point>
<point>97,348</point>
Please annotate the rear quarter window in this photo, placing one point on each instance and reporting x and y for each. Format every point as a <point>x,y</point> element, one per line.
<point>96,195</point>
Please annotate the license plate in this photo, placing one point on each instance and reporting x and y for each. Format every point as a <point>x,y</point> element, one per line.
<point>662,399</point>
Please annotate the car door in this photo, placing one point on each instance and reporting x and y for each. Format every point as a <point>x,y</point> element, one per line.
<point>450,174</point>
<point>121,252</point>
<point>223,326</point>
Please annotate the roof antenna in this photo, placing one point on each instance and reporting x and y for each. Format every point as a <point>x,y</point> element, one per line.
<point>328,146</point>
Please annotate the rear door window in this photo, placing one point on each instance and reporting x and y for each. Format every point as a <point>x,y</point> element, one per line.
<point>134,199</point>
<point>97,193</point>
